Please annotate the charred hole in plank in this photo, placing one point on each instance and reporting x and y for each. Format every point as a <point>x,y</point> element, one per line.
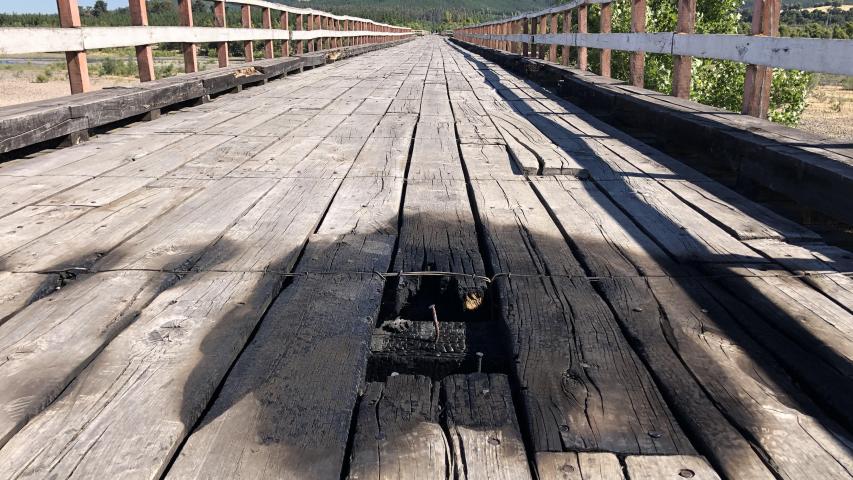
<point>436,332</point>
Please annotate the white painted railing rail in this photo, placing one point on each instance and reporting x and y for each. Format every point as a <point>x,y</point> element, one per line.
<point>310,30</point>
<point>538,34</point>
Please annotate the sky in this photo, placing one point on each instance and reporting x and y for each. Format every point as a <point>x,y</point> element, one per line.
<point>47,6</point>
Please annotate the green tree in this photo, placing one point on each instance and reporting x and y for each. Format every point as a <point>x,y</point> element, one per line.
<point>716,83</point>
<point>100,8</point>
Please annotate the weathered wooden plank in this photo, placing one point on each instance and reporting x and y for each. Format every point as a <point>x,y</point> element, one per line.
<point>583,386</point>
<point>578,466</point>
<point>17,290</point>
<point>365,205</point>
<point>331,159</point>
<point>161,162</point>
<point>382,157</point>
<point>695,347</point>
<point>79,243</point>
<point>17,193</point>
<point>47,344</point>
<point>163,244</point>
<point>472,122</point>
<point>820,265</point>
<point>285,408</point>
<point>222,159</point>
<point>97,192</point>
<point>271,234</point>
<point>818,324</point>
<point>682,231</point>
<point>435,154</point>
<point>132,147</point>
<point>535,152</point>
<point>397,432</point>
<point>277,160</point>
<point>438,234</point>
<point>30,223</point>
<point>489,162</point>
<point>669,468</point>
<point>148,386</point>
<point>483,430</point>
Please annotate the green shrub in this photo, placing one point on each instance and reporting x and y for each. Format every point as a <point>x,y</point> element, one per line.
<point>847,83</point>
<point>165,71</point>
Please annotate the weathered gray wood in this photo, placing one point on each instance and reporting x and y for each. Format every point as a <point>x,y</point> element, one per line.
<point>30,223</point>
<point>277,160</point>
<point>17,290</point>
<point>397,434</point>
<point>163,243</point>
<point>484,432</point>
<point>485,162</point>
<point>578,466</point>
<point>97,192</point>
<point>438,234</point>
<point>148,386</point>
<point>365,205</point>
<point>47,344</point>
<point>17,193</point>
<point>270,235</point>
<point>131,148</point>
<point>285,409</point>
<point>669,468</point>
<point>686,334</point>
<point>583,386</point>
<point>683,232</point>
<point>822,266</point>
<point>222,159</point>
<point>79,243</point>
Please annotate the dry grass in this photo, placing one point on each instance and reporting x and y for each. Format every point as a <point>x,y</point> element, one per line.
<point>829,112</point>
<point>827,8</point>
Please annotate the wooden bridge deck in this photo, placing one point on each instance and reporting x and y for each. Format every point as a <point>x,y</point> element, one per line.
<point>232,291</point>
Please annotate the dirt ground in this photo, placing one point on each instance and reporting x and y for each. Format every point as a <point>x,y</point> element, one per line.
<point>18,85</point>
<point>829,112</point>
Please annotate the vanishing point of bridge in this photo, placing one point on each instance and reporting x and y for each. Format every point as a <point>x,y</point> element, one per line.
<point>413,262</point>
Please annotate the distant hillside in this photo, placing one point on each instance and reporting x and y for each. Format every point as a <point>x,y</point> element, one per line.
<point>429,14</point>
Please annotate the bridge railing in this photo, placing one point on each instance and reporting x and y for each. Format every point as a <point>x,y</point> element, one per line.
<point>310,30</point>
<point>539,34</point>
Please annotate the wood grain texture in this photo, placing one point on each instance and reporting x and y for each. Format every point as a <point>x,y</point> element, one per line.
<point>397,434</point>
<point>578,466</point>
<point>148,386</point>
<point>577,370</point>
<point>669,468</point>
<point>483,430</point>
<point>280,413</point>
<point>45,346</point>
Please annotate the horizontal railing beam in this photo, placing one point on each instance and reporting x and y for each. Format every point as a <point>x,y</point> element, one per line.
<point>808,54</point>
<point>40,40</point>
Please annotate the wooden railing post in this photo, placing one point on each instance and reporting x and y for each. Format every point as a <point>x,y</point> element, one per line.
<point>190,51</point>
<point>552,52</point>
<point>638,59</point>
<point>606,27</point>
<point>284,24</point>
<point>759,79</point>
<point>248,46</point>
<point>78,66</point>
<point>220,21</point>
<point>144,54</point>
<point>300,25</point>
<point>583,27</point>
<point>567,28</point>
<point>534,47</point>
<point>310,27</point>
<point>268,44</point>
<point>543,29</point>
<point>682,65</point>
<point>525,47</point>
